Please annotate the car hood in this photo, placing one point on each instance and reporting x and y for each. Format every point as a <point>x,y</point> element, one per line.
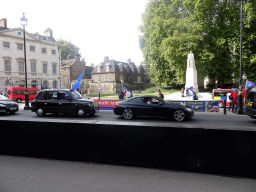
<point>7,102</point>
<point>85,100</point>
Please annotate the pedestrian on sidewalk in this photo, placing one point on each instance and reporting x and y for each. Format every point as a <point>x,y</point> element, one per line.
<point>234,100</point>
<point>182,92</point>
<point>160,94</point>
<point>229,100</point>
<point>121,94</point>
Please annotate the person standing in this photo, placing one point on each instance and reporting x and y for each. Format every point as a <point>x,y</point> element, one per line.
<point>125,94</point>
<point>160,94</point>
<point>234,100</point>
<point>120,94</point>
<point>229,100</point>
<point>128,94</point>
<point>182,92</point>
<point>195,97</point>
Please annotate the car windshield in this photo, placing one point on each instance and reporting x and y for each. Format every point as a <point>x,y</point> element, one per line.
<point>3,98</point>
<point>75,94</point>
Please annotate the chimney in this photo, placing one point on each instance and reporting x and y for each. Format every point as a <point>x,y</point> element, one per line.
<point>106,58</point>
<point>48,32</point>
<point>77,56</point>
<point>3,23</point>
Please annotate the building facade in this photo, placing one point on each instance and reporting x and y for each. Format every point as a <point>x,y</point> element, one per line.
<point>111,74</point>
<point>42,59</point>
<point>71,69</point>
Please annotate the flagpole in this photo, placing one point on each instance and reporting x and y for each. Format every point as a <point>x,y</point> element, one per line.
<point>99,90</point>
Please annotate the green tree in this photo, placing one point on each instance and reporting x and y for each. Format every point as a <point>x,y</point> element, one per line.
<point>249,40</point>
<point>68,49</point>
<point>210,28</point>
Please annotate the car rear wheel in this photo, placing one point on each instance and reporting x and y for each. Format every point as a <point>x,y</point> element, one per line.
<point>81,112</point>
<point>19,100</point>
<point>128,114</point>
<point>179,115</point>
<point>40,112</point>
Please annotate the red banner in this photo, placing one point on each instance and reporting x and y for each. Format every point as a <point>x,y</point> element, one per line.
<point>106,103</point>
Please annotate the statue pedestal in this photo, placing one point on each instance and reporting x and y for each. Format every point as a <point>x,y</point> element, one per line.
<point>191,79</point>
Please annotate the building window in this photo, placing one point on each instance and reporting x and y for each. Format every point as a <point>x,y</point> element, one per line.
<point>54,52</point>
<point>21,67</point>
<point>108,66</point>
<point>55,84</point>
<point>109,77</point>
<point>102,78</point>
<point>7,64</point>
<point>33,67</point>
<point>6,45</point>
<point>54,68</point>
<point>20,46</point>
<point>32,48</point>
<point>96,79</point>
<point>98,69</point>
<point>43,50</point>
<point>33,83</point>
<point>139,79</point>
<point>121,67</point>
<point>45,68</point>
<point>45,84</point>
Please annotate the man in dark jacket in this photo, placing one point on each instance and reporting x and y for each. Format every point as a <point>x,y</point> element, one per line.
<point>121,94</point>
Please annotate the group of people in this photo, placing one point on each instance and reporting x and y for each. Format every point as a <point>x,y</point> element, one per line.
<point>232,100</point>
<point>194,97</point>
<point>126,94</point>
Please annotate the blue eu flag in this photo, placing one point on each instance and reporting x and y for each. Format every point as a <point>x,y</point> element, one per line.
<point>124,88</point>
<point>78,82</point>
<point>249,84</point>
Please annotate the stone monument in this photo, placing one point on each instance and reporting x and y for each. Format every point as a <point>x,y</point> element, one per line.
<point>191,73</point>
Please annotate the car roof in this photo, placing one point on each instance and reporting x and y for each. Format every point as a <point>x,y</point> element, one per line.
<point>55,90</point>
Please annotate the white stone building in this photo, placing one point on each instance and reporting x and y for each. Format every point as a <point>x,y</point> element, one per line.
<point>42,59</point>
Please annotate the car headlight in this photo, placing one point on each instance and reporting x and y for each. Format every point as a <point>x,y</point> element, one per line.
<point>189,109</point>
<point>2,105</point>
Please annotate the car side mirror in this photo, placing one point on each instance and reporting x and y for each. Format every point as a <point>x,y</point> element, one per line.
<point>68,98</point>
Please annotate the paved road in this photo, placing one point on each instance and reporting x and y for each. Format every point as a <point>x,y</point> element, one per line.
<point>230,121</point>
<point>24,174</point>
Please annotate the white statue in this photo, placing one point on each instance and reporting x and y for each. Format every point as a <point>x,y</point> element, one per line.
<point>191,60</point>
<point>191,73</point>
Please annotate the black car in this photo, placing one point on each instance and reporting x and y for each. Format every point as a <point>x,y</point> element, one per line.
<point>250,102</point>
<point>6,105</point>
<point>152,106</point>
<point>64,101</point>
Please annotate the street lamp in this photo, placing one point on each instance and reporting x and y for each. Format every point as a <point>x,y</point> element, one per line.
<point>24,23</point>
<point>240,92</point>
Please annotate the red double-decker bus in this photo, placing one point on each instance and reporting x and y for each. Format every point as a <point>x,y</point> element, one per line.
<point>18,93</point>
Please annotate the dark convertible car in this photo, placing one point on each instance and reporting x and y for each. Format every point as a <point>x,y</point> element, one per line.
<point>7,105</point>
<point>152,106</point>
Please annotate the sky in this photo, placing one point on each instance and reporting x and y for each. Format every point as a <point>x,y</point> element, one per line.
<point>98,27</point>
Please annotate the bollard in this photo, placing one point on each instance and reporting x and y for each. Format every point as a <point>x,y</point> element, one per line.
<point>224,106</point>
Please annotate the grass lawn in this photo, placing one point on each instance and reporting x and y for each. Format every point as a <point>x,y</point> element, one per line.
<point>151,91</point>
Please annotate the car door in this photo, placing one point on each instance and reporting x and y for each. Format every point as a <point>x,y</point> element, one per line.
<point>51,102</point>
<point>149,107</point>
<point>66,105</point>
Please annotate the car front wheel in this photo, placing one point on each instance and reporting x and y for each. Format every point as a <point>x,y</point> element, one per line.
<point>40,112</point>
<point>128,114</point>
<point>179,115</point>
<point>19,100</point>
